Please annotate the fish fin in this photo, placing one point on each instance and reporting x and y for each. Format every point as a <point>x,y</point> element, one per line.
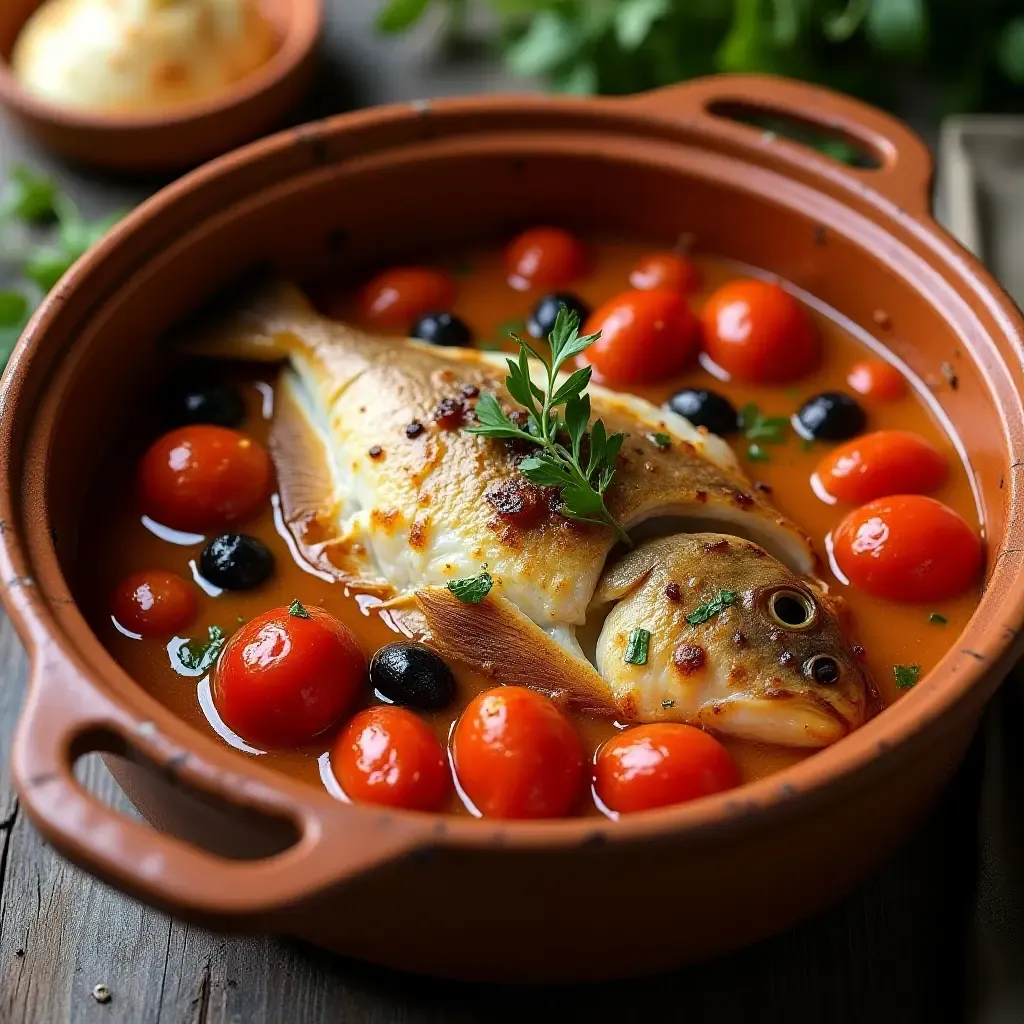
<point>261,322</point>
<point>497,639</point>
<point>622,578</point>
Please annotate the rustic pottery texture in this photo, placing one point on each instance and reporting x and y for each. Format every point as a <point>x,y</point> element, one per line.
<point>251,849</point>
<point>179,138</point>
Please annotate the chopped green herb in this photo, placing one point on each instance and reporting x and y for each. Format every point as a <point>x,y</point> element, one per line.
<point>472,589</point>
<point>719,603</point>
<point>757,454</point>
<point>758,427</point>
<point>13,308</point>
<point>938,620</point>
<point>661,440</point>
<point>29,197</point>
<point>666,704</point>
<point>906,675</point>
<point>297,610</point>
<point>637,648</point>
<point>580,463</point>
<point>201,657</point>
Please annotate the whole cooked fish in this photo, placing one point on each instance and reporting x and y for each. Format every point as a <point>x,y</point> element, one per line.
<point>383,489</point>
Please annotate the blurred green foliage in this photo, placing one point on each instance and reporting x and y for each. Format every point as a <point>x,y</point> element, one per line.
<point>970,51</point>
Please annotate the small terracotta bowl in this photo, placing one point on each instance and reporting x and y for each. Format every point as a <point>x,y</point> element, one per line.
<point>178,138</point>
<point>236,845</point>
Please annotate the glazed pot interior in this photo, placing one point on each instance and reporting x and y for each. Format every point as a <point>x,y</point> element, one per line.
<point>313,214</point>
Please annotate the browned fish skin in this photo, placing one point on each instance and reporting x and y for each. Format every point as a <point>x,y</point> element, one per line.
<point>748,668</point>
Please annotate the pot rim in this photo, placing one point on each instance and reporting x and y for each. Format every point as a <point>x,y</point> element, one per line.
<point>961,672</point>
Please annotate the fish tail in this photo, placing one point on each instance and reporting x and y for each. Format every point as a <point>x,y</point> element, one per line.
<point>267,322</point>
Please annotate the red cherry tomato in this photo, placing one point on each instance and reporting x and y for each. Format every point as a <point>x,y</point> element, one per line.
<point>284,677</point>
<point>398,296</point>
<point>665,763</point>
<point>389,756</point>
<point>758,332</point>
<point>544,258</point>
<point>907,548</point>
<point>154,603</point>
<point>665,270</point>
<point>877,381</point>
<point>516,756</point>
<point>881,463</point>
<point>645,337</point>
<point>204,477</point>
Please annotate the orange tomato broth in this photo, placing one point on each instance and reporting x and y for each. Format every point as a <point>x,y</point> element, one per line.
<point>119,543</point>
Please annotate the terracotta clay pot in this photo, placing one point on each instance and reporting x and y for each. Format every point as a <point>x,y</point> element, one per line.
<point>178,138</point>
<point>242,847</point>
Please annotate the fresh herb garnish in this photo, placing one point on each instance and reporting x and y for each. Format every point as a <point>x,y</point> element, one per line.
<point>938,620</point>
<point>34,200</point>
<point>758,427</point>
<point>296,609</point>
<point>200,658</point>
<point>581,470</point>
<point>660,440</point>
<point>906,675</point>
<point>718,603</point>
<point>666,704</point>
<point>472,589</point>
<point>637,647</point>
<point>755,453</point>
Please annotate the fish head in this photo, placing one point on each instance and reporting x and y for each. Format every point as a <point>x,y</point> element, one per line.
<point>738,644</point>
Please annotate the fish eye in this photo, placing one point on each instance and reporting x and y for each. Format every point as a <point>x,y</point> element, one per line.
<point>791,609</point>
<point>823,669</point>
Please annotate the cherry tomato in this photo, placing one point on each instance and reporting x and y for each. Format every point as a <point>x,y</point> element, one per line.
<point>758,332</point>
<point>516,756</point>
<point>203,477</point>
<point>669,270</point>
<point>877,380</point>
<point>387,755</point>
<point>664,763</point>
<point>399,296</point>
<point>154,603</point>
<point>287,675</point>
<point>645,337</point>
<point>908,548</point>
<point>544,258</point>
<point>881,463</point>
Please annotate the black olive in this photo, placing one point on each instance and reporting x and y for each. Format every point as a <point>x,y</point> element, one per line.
<point>219,404</point>
<point>236,561</point>
<point>705,408</point>
<point>823,669</point>
<point>442,329</point>
<point>541,321</point>
<point>830,416</point>
<point>413,675</point>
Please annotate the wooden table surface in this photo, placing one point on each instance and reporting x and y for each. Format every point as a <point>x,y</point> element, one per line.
<point>935,935</point>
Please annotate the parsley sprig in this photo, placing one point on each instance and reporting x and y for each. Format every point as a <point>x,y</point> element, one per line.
<point>581,469</point>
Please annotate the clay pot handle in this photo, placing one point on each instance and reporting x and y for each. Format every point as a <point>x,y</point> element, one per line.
<point>904,171</point>
<point>65,717</point>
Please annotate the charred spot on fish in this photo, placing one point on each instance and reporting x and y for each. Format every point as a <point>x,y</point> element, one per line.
<point>737,675</point>
<point>700,497</point>
<point>760,485</point>
<point>414,429</point>
<point>742,499</point>
<point>418,535</point>
<point>384,518</point>
<point>376,452</point>
<point>859,653</point>
<point>786,659</point>
<point>469,391</point>
<point>738,639</point>
<point>823,669</point>
<point>673,593</point>
<point>791,609</point>
<point>517,501</point>
<point>717,547</point>
<point>450,413</point>
<point>689,659</point>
